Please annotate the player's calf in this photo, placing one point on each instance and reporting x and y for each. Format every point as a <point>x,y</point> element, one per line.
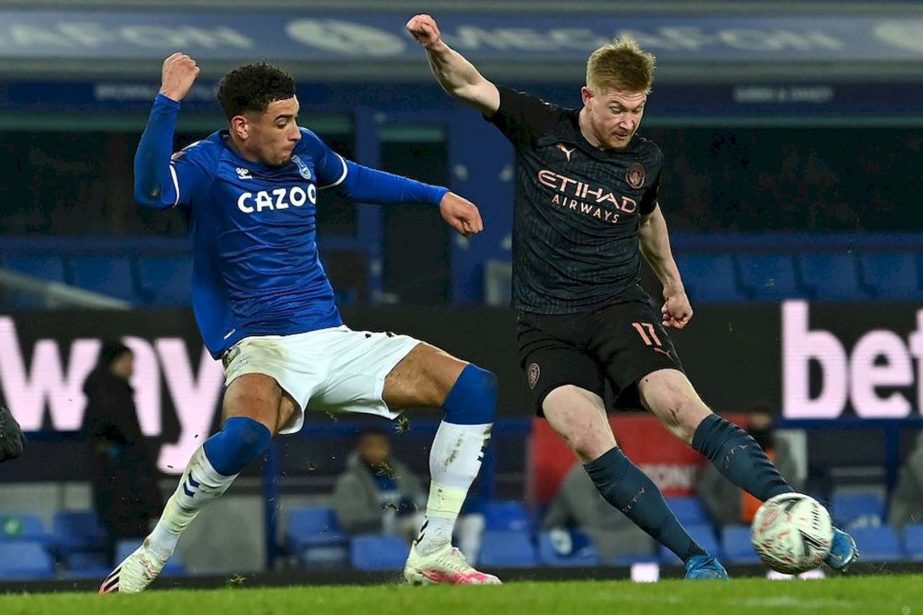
<point>738,456</point>
<point>456,454</point>
<point>211,470</point>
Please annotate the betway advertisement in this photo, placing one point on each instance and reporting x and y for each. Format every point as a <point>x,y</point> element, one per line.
<point>819,361</point>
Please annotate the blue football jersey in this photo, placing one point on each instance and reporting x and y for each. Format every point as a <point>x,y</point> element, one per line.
<point>256,268</point>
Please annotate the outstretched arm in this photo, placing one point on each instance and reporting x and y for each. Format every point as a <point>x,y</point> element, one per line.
<point>373,186</point>
<point>455,74</point>
<point>655,246</point>
<point>156,181</point>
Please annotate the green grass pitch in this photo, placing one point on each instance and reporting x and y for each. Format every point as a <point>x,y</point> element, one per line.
<point>894,595</point>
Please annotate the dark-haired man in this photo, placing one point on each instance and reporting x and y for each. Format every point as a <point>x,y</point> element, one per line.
<point>265,307</point>
<point>122,470</point>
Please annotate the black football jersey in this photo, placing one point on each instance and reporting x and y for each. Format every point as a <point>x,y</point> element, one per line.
<point>577,210</point>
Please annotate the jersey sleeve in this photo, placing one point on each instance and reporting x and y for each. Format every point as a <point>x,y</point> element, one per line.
<point>162,180</point>
<point>329,166</point>
<point>521,117</point>
<point>188,174</point>
<point>649,199</point>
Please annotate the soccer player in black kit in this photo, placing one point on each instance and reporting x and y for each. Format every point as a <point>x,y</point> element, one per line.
<point>586,211</point>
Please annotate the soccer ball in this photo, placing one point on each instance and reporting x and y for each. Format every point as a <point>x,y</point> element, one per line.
<point>792,533</point>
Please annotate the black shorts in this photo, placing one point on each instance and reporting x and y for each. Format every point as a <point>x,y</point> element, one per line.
<point>620,343</point>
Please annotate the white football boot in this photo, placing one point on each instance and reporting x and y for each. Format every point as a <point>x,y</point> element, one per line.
<point>135,573</point>
<point>444,566</point>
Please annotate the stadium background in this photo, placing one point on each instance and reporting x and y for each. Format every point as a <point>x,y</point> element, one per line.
<point>792,141</point>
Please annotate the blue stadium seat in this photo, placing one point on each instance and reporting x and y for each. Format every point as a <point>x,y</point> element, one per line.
<point>107,275</point>
<point>710,278</point>
<point>549,556</point>
<point>877,544</point>
<point>913,541</point>
<point>892,275</point>
<point>769,276</point>
<point>831,276</point>
<point>25,560</point>
<point>165,280</point>
<point>504,548</point>
<point>324,557</point>
<point>124,548</point>
<point>702,534</point>
<point>78,530</point>
<point>862,507</point>
<point>688,510</point>
<point>49,268</point>
<point>86,565</point>
<point>506,515</point>
<point>312,526</point>
<point>375,552</point>
<point>313,535</point>
<point>22,526</point>
<point>736,545</point>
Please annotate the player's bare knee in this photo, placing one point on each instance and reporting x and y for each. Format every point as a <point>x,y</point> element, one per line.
<point>683,415</point>
<point>254,396</point>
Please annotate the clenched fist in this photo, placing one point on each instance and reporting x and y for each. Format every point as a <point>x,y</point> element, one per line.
<point>178,75</point>
<point>425,29</point>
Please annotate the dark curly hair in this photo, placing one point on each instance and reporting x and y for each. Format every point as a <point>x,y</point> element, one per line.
<point>252,87</point>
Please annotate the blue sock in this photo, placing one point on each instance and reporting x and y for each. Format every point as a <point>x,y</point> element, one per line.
<point>737,455</point>
<point>473,398</point>
<point>240,441</point>
<point>631,491</point>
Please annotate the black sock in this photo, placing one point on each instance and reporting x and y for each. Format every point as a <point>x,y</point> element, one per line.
<point>737,455</point>
<point>630,490</point>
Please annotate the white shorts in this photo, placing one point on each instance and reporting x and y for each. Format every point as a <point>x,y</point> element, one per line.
<point>330,370</point>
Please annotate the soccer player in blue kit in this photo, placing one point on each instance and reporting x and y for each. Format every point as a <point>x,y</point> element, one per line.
<point>264,306</point>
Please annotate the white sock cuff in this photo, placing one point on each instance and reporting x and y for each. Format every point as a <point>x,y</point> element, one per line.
<point>205,471</point>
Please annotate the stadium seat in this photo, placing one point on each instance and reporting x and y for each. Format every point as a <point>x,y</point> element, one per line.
<point>736,545</point>
<point>549,556</point>
<point>22,526</point>
<point>313,536</point>
<point>913,541</point>
<point>25,560</point>
<point>165,280</point>
<point>688,510</point>
<point>831,276</point>
<point>324,557</point>
<point>506,515</point>
<point>375,552</point>
<point>877,544</point>
<point>107,275</point>
<point>50,268</point>
<point>861,507</point>
<point>86,565</point>
<point>891,275</point>
<point>500,549</point>
<point>124,548</point>
<point>78,530</point>
<point>710,278</point>
<point>702,534</point>
<point>769,276</point>
<point>312,526</point>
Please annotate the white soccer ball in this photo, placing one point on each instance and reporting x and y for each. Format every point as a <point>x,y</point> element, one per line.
<point>792,533</point>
